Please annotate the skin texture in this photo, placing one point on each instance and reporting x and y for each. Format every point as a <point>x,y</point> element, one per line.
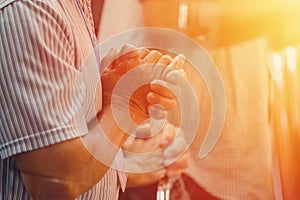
<point>167,138</point>
<point>68,169</point>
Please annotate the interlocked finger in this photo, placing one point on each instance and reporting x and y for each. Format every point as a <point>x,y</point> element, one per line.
<point>152,57</point>
<point>130,53</point>
<point>176,64</point>
<point>154,98</point>
<point>161,65</point>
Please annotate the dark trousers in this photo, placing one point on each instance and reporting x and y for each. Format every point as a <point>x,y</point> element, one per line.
<point>189,191</point>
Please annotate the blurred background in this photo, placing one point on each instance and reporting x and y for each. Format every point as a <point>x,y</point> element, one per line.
<point>223,25</point>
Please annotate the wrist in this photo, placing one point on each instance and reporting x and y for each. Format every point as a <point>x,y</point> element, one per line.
<point>109,126</point>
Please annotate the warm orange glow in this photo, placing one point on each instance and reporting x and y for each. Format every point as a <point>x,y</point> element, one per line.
<point>223,24</point>
<point>183,15</point>
<point>276,69</point>
<point>285,116</point>
<point>291,57</point>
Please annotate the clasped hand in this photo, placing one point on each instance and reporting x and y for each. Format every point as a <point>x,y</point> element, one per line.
<point>160,71</point>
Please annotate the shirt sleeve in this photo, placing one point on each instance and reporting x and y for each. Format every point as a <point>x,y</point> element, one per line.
<point>41,90</point>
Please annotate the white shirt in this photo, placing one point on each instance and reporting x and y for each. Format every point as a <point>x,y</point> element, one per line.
<point>43,44</point>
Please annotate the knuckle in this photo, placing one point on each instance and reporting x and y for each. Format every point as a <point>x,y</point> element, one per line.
<point>155,52</point>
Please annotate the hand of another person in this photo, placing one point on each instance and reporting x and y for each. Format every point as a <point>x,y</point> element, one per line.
<point>175,155</point>
<point>149,160</point>
<point>155,69</point>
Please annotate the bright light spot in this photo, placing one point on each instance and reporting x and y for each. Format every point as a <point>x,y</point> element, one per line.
<point>201,37</point>
<point>183,15</point>
<point>276,69</point>
<point>290,53</point>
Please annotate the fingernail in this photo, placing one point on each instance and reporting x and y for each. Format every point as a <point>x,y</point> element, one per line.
<point>143,131</point>
<point>150,97</point>
<point>171,78</point>
<point>181,55</point>
<point>181,59</point>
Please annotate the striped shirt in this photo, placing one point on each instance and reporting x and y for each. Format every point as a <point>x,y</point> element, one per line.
<point>42,46</point>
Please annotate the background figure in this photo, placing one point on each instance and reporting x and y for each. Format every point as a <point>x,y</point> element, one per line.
<point>284,117</point>
<point>238,35</point>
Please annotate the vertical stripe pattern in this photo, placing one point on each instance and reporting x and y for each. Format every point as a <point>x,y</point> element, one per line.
<point>42,89</point>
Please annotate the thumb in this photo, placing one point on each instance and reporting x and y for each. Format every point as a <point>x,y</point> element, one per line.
<point>108,59</point>
<point>168,133</point>
<point>177,147</point>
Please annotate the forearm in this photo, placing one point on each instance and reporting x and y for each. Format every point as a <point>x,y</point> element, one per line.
<point>144,179</point>
<point>105,138</point>
<point>68,169</point>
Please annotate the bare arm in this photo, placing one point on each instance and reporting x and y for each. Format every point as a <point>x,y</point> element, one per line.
<point>67,169</point>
